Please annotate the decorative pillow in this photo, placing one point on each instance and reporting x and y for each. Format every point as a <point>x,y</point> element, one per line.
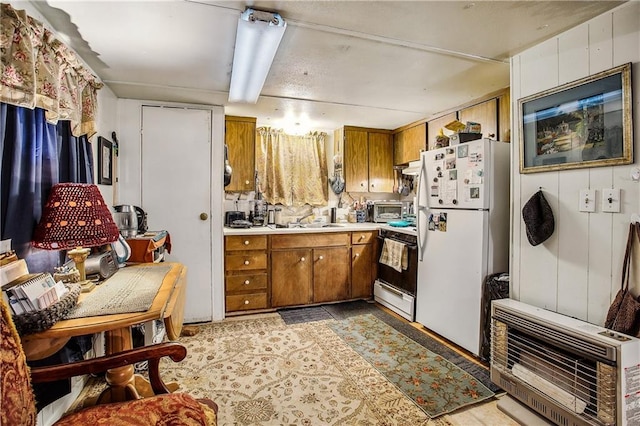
<point>161,410</point>
<point>16,396</point>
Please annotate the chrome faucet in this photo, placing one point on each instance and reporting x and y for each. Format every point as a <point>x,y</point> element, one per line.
<point>304,217</point>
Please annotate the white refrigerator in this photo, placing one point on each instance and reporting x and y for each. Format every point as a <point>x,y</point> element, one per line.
<point>462,209</point>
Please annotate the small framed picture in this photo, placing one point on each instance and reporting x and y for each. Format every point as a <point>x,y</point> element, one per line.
<point>105,161</point>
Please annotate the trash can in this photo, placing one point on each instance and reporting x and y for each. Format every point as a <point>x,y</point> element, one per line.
<point>496,286</point>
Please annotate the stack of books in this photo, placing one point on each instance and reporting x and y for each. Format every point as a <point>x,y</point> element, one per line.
<point>26,292</point>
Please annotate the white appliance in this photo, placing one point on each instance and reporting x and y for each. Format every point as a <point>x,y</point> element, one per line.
<point>462,209</point>
<point>567,370</point>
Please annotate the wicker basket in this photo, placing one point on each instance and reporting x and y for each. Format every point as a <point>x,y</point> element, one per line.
<point>43,319</point>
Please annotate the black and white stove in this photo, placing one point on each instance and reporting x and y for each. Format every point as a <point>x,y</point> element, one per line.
<point>397,289</point>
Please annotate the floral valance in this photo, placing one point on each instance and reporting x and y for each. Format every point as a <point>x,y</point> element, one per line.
<point>38,70</point>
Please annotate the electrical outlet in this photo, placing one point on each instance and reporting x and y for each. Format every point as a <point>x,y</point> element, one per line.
<point>587,200</point>
<point>611,200</point>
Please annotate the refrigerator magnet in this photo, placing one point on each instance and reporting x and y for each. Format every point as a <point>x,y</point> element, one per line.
<point>431,223</point>
<point>450,163</point>
<point>463,151</point>
<point>442,222</point>
<point>453,174</point>
<point>474,192</point>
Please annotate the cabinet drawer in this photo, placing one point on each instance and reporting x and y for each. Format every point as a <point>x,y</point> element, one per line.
<point>245,302</point>
<point>246,282</point>
<point>245,242</point>
<point>309,240</point>
<point>363,237</point>
<point>244,262</point>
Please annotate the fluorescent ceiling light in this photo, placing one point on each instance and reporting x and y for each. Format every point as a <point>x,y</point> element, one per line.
<point>259,34</point>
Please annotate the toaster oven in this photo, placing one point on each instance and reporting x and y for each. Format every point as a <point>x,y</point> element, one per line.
<point>386,211</point>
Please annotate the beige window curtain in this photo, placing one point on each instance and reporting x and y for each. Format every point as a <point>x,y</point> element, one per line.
<point>38,70</point>
<point>292,170</point>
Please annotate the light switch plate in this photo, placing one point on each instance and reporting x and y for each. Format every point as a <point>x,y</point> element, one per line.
<point>611,200</point>
<point>587,200</point>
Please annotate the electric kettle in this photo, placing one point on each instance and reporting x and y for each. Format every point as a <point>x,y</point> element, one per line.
<point>127,220</point>
<point>142,220</point>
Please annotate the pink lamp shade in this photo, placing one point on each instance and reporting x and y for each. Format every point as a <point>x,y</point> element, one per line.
<point>75,215</point>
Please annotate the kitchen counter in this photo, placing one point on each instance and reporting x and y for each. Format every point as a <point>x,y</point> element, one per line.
<point>333,227</point>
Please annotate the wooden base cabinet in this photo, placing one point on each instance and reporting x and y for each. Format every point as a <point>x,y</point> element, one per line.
<point>246,277</point>
<point>309,268</point>
<point>331,274</point>
<point>363,263</point>
<point>269,272</point>
<point>291,274</point>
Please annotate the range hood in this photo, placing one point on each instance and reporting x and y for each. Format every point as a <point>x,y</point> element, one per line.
<point>412,169</point>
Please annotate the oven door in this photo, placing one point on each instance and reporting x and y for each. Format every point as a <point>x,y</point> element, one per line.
<point>406,280</point>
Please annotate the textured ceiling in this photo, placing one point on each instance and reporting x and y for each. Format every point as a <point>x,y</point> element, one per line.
<point>365,63</point>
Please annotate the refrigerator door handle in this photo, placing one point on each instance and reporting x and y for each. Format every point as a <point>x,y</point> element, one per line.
<point>421,208</point>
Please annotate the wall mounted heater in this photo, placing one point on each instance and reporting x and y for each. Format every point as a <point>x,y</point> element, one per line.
<point>572,372</point>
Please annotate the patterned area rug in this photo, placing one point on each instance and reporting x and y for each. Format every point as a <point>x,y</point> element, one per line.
<point>261,371</point>
<point>340,311</point>
<point>434,383</point>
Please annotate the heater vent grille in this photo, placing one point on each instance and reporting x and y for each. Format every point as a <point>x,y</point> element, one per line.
<point>563,375</point>
<point>556,336</point>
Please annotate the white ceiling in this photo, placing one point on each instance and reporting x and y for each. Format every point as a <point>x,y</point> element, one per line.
<point>377,64</point>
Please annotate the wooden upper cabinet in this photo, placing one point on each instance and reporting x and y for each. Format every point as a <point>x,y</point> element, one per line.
<point>408,143</point>
<point>485,113</point>
<point>380,162</point>
<point>356,160</point>
<point>368,160</point>
<point>240,137</point>
<point>434,126</point>
<point>504,117</point>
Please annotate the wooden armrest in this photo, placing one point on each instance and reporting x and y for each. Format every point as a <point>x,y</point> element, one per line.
<point>152,353</point>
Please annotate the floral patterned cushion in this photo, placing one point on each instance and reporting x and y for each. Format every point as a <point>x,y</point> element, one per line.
<point>161,410</point>
<point>17,404</point>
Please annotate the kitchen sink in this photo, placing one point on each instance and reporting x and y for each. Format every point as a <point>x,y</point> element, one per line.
<point>313,225</point>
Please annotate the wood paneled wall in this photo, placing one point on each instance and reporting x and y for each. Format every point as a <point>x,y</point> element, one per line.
<point>577,271</point>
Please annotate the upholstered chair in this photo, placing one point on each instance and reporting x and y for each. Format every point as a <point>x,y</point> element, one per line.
<point>17,403</point>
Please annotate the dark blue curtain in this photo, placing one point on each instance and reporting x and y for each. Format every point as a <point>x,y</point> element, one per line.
<point>35,155</point>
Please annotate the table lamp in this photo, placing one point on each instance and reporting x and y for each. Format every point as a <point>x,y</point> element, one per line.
<point>75,218</point>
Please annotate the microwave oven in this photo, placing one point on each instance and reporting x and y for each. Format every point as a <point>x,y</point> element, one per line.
<point>386,211</point>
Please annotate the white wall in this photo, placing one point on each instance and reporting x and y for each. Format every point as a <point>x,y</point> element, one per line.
<point>576,271</point>
<point>106,124</point>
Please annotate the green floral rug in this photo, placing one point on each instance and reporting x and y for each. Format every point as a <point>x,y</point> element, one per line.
<point>435,384</point>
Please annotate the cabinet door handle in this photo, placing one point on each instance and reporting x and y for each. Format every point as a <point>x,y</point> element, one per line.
<point>246,243</point>
<point>204,216</point>
<point>362,237</point>
<point>357,254</point>
<point>246,182</point>
<point>246,302</point>
<point>246,262</point>
<point>302,259</point>
<point>246,282</point>
<point>321,257</point>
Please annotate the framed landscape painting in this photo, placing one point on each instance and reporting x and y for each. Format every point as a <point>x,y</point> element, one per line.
<point>585,123</point>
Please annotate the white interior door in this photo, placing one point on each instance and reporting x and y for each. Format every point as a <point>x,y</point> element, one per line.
<point>176,191</point>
